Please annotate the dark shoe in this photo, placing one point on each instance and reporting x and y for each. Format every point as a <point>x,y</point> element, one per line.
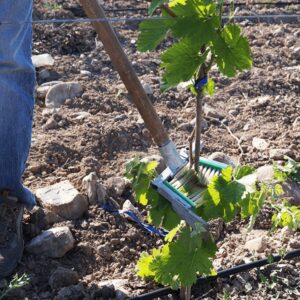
<point>11,235</point>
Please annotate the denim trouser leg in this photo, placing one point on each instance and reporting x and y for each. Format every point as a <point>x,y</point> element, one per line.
<point>17,80</point>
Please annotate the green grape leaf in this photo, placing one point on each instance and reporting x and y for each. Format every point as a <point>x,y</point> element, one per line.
<point>287,215</point>
<point>232,51</point>
<point>290,170</point>
<point>252,203</point>
<point>187,8</point>
<point>152,32</point>
<point>143,265</point>
<point>180,261</point>
<point>199,30</point>
<point>222,197</point>
<point>242,171</point>
<point>181,61</point>
<point>161,213</point>
<point>209,88</point>
<point>154,5</point>
<point>141,174</point>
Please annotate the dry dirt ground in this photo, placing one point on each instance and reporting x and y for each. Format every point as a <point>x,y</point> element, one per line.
<point>263,102</point>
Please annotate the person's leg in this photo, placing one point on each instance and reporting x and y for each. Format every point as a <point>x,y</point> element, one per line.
<point>17,80</point>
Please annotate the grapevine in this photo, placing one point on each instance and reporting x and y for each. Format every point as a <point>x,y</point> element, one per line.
<point>200,41</point>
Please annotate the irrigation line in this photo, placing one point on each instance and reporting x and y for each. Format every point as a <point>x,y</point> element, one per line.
<point>221,274</point>
<point>280,17</point>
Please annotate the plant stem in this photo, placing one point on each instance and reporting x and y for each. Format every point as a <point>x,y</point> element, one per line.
<point>198,129</point>
<point>185,293</point>
<point>168,10</point>
<point>191,139</point>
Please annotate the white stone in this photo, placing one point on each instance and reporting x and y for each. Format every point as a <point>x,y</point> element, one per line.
<point>211,112</point>
<point>63,199</point>
<point>260,144</point>
<point>42,60</point>
<point>42,91</point>
<point>279,153</point>
<point>58,93</point>
<point>85,73</point>
<point>265,174</point>
<point>148,89</point>
<point>223,158</point>
<point>96,191</point>
<point>257,245</point>
<point>54,242</point>
<point>128,206</point>
<point>117,185</point>
<point>81,115</point>
<point>249,181</point>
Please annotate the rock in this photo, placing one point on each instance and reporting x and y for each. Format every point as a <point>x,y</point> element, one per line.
<point>204,124</point>
<point>42,91</point>
<point>51,83</point>
<point>279,32</point>
<point>249,181</point>
<point>104,251</point>
<point>63,277</point>
<point>259,102</point>
<point>54,242</point>
<point>85,248</point>
<point>50,124</point>
<point>257,245</point>
<point>223,158</point>
<point>63,199</point>
<point>296,123</point>
<point>280,153</point>
<point>44,75</point>
<point>295,243</point>
<point>260,144</point>
<point>42,60</point>
<point>49,111</point>
<point>120,287</point>
<point>72,292</point>
<point>265,174</point>
<point>211,112</point>
<point>81,115</point>
<point>52,218</point>
<point>96,191</point>
<point>117,185</point>
<point>85,73</point>
<point>292,190</point>
<point>148,89</point>
<point>58,94</point>
<point>161,164</point>
<point>128,206</point>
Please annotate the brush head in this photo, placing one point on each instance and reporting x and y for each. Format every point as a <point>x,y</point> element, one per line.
<point>185,189</point>
<point>191,185</point>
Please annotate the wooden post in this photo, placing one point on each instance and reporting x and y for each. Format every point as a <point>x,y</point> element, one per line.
<point>122,64</point>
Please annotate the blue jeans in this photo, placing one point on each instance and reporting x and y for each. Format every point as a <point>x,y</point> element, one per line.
<point>17,81</point>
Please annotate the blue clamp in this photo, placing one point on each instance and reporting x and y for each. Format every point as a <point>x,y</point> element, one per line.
<point>200,83</point>
<point>147,228</point>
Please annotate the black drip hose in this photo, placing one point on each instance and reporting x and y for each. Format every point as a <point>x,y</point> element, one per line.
<point>221,274</point>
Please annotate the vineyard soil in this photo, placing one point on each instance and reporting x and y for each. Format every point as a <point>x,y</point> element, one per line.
<point>262,103</point>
